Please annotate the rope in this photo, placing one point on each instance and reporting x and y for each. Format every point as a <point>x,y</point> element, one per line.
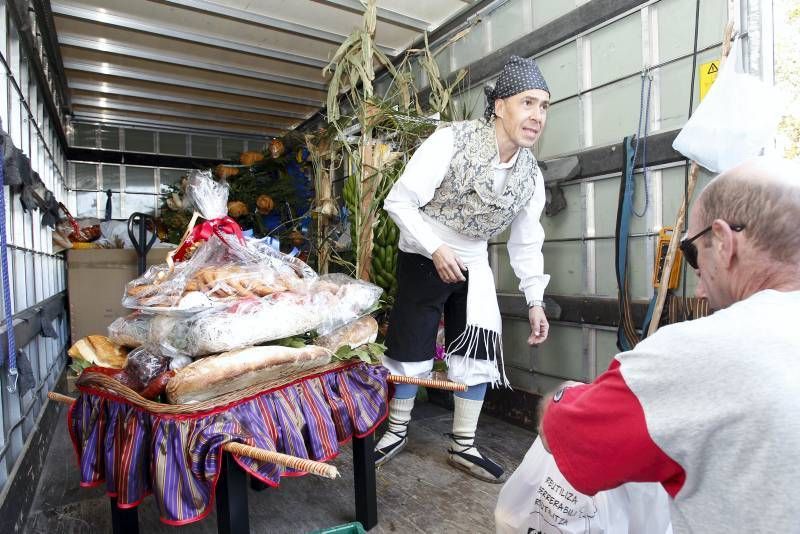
<point>627,337</point>
<point>9,318</point>
<point>641,135</point>
<point>686,309</point>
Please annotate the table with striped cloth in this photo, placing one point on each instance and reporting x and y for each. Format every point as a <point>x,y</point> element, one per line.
<point>177,458</point>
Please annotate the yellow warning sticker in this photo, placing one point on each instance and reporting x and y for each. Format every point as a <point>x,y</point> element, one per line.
<point>708,73</point>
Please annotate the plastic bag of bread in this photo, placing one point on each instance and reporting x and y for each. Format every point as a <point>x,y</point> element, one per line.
<point>131,330</point>
<point>351,300</point>
<point>352,335</point>
<point>222,270</point>
<point>215,262</point>
<point>321,305</point>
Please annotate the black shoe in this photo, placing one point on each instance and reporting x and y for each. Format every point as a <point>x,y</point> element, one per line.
<point>384,454</point>
<point>478,466</point>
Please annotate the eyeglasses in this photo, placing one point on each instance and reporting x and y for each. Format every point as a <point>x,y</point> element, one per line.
<point>690,250</point>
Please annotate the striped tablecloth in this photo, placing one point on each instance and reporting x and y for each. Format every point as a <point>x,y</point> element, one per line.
<point>177,458</point>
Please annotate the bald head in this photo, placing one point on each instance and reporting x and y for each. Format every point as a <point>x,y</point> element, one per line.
<point>764,195</point>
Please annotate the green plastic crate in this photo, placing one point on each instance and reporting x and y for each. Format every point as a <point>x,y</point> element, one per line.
<point>350,528</point>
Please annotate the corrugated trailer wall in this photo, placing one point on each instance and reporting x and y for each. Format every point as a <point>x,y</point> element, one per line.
<point>596,82</point>
<point>36,275</point>
<point>138,188</point>
<point>596,79</point>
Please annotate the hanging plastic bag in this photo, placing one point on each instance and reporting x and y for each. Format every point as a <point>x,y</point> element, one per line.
<point>735,121</point>
<point>538,499</point>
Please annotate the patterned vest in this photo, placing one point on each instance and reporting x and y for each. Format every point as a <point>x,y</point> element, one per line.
<point>465,201</point>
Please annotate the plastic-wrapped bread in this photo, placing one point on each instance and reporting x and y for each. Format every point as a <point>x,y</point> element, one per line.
<point>355,334</point>
<point>324,306</point>
<point>213,376</point>
<point>131,330</point>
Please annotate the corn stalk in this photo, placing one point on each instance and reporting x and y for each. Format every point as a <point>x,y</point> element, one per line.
<point>325,209</point>
<point>440,98</point>
<point>399,120</point>
<point>353,63</point>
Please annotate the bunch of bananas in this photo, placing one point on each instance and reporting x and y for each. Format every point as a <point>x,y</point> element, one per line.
<point>384,254</point>
<point>350,197</point>
<point>384,240</point>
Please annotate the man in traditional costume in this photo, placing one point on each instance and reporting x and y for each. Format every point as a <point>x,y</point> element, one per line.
<point>465,184</point>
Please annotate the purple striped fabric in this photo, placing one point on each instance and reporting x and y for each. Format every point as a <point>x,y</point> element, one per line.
<point>177,459</point>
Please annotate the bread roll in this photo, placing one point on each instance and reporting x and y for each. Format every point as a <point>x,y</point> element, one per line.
<point>355,334</point>
<point>213,376</point>
<point>99,350</point>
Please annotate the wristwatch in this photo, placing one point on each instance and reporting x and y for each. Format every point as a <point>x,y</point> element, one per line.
<point>539,303</point>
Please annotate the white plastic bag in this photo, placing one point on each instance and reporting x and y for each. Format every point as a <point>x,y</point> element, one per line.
<point>736,120</point>
<point>537,499</point>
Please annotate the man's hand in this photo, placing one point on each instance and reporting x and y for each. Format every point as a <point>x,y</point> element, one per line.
<point>448,265</point>
<point>539,325</point>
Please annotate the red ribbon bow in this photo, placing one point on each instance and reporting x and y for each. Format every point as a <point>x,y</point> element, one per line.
<point>201,232</point>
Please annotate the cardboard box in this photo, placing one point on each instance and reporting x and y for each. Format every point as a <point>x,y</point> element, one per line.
<point>96,280</point>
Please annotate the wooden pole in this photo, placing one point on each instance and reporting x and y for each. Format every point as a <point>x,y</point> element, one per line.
<point>286,460</point>
<point>663,284</point>
<point>428,383</point>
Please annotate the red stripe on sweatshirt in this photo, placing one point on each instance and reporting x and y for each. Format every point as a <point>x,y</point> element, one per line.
<point>598,435</point>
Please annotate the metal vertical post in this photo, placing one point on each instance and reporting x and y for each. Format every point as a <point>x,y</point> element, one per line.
<point>364,481</point>
<point>232,514</point>
<point>123,520</point>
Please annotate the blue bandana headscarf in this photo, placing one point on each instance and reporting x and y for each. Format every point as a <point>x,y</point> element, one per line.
<point>518,75</point>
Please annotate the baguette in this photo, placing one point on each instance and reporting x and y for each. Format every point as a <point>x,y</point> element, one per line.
<point>355,334</point>
<point>213,376</point>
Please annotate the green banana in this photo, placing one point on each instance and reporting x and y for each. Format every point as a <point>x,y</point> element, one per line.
<point>384,256</point>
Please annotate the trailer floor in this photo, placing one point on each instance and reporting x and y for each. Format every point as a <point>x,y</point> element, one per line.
<point>417,491</point>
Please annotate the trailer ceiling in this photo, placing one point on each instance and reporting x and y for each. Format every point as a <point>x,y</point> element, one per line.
<point>251,67</point>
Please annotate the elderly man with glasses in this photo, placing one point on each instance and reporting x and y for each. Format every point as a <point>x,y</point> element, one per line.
<point>708,408</point>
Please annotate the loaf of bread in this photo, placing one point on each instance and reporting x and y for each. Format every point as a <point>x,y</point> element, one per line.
<point>355,334</point>
<point>213,376</point>
<point>99,350</point>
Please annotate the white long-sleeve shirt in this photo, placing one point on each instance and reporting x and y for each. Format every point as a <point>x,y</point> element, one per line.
<point>420,234</point>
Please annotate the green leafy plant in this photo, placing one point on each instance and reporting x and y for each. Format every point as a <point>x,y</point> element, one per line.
<point>368,353</point>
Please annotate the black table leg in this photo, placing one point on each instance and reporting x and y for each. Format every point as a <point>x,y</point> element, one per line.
<point>257,485</point>
<point>364,481</point>
<point>124,521</point>
<point>232,514</point>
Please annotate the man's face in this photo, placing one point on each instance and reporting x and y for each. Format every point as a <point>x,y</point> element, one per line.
<point>711,280</point>
<point>523,116</point>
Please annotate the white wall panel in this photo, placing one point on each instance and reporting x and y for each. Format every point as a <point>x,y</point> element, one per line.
<point>509,22</point>
<point>676,25</point>
<point>615,111</point>
<point>545,11</point>
<point>616,50</point>
<point>560,71</point>
<point>561,133</point>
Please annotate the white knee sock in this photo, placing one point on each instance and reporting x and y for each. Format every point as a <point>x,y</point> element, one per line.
<point>465,422</point>
<point>399,416</point>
